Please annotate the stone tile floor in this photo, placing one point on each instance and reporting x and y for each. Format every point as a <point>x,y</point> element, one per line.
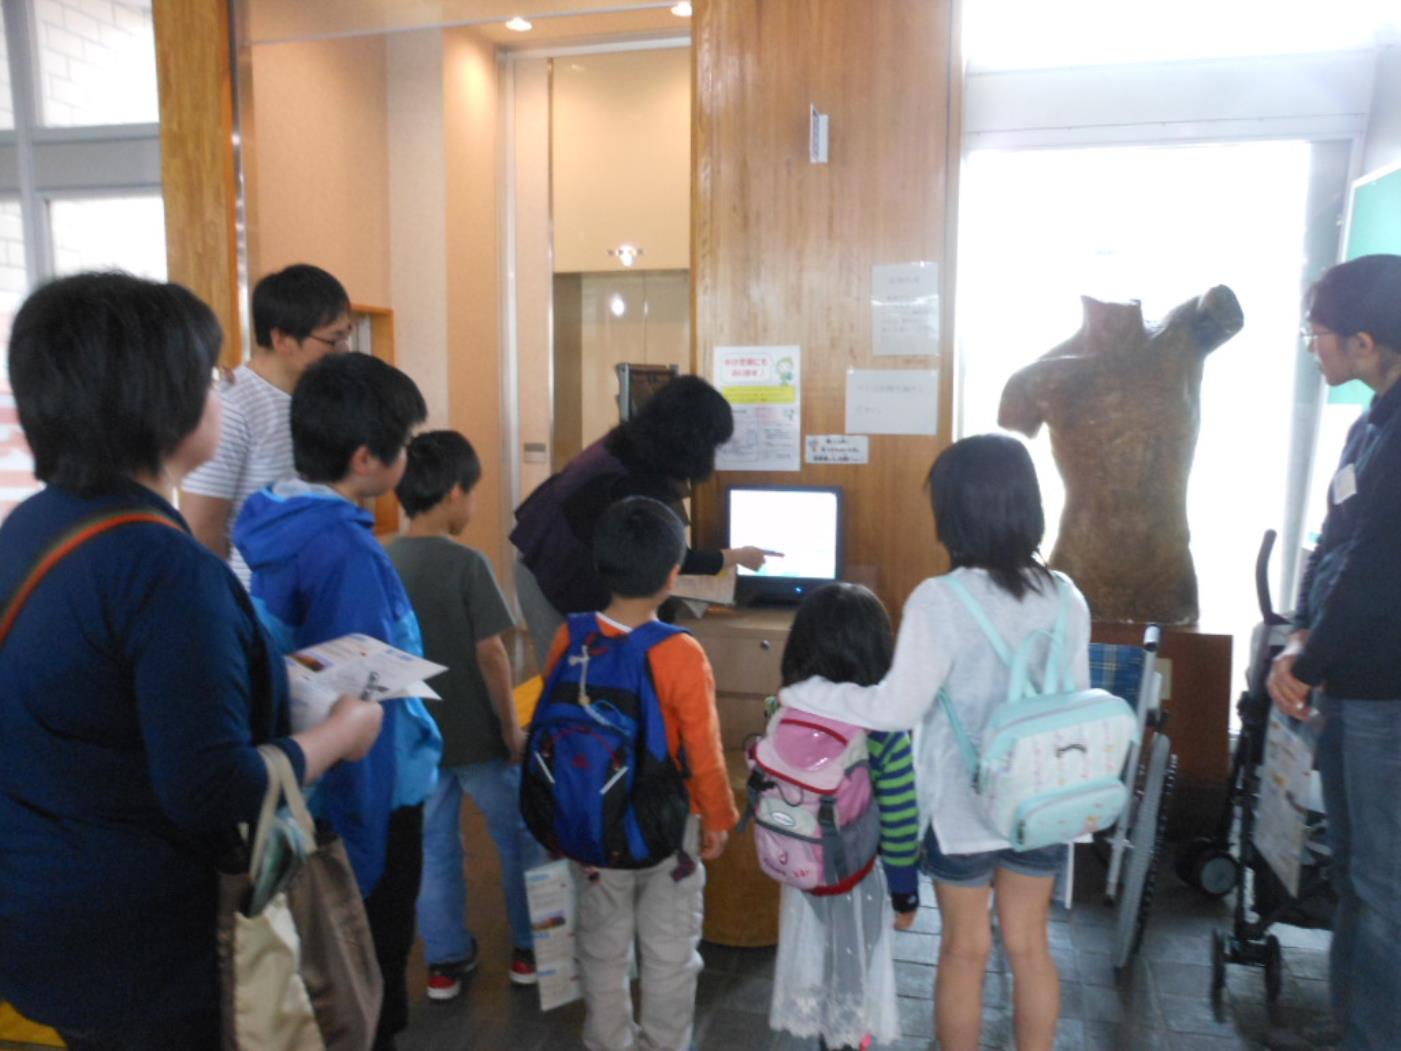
<point>1162,1005</point>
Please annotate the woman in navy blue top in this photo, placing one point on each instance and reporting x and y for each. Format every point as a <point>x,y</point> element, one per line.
<point>135,684</point>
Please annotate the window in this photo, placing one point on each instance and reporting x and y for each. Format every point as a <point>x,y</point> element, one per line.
<point>106,233</point>
<point>88,137</point>
<point>1160,224</point>
<point>97,62</point>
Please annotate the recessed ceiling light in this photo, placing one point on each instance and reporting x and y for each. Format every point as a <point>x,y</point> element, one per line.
<point>519,25</point>
<point>682,10</point>
<point>626,253</point>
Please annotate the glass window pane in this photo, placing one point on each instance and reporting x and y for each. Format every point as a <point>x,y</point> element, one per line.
<point>97,62</point>
<point>104,233</point>
<point>7,103</point>
<point>16,466</point>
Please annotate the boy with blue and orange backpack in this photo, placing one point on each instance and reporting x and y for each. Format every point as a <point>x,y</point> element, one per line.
<point>625,775</point>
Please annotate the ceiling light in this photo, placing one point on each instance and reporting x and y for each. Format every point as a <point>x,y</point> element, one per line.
<point>626,254</point>
<point>682,10</point>
<point>617,305</point>
<point>519,25</point>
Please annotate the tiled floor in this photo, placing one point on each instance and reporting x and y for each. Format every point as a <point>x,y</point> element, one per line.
<point>1163,1004</point>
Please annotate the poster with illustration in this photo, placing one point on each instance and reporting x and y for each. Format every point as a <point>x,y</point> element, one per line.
<point>764,388</point>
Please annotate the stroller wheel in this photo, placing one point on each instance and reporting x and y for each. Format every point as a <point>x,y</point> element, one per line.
<point>1184,861</point>
<point>1216,873</point>
<point>1274,969</point>
<point>1219,951</point>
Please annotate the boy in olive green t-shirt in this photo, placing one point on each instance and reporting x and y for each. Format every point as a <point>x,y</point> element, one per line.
<point>463,615</point>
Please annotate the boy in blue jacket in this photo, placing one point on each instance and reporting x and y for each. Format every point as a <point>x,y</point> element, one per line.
<point>318,574</point>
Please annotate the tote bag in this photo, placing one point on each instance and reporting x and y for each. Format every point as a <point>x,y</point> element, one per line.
<point>297,961</point>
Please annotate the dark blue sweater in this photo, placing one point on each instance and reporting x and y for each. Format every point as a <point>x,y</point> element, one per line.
<point>132,690</point>
<point>1351,595</point>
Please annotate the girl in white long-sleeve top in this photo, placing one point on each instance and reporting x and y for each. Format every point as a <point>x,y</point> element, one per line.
<point>987,510</point>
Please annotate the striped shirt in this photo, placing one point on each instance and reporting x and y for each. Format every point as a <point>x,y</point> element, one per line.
<point>255,449</point>
<point>893,780</point>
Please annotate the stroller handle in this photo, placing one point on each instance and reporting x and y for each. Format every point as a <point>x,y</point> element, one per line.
<point>1262,579</point>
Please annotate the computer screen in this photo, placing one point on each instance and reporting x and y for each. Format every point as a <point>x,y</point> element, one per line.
<point>803,523</point>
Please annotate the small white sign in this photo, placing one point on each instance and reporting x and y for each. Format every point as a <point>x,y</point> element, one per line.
<point>838,448</point>
<point>905,310</point>
<point>892,401</point>
<point>549,890</point>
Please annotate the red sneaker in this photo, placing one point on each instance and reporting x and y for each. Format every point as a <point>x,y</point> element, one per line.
<point>523,966</point>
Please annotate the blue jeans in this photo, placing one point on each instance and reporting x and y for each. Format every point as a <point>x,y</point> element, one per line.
<point>1359,759</point>
<point>442,900</point>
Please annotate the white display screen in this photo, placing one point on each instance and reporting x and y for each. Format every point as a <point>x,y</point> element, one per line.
<point>802,525</point>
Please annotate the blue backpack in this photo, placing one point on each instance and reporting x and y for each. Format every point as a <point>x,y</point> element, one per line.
<point>598,783</point>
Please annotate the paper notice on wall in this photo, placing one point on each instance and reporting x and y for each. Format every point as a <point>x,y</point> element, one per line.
<point>549,892</point>
<point>1281,818</point>
<point>892,401</point>
<point>838,448</point>
<point>764,388</point>
<point>905,310</point>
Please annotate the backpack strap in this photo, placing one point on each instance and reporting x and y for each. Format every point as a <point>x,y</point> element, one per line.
<point>1056,678</point>
<point>64,545</point>
<point>980,618</point>
<point>960,735</point>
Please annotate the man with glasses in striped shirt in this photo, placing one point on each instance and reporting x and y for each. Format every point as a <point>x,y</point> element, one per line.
<point>300,315</point>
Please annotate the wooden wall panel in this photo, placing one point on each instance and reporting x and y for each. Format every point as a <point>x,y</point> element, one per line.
<point>194,71</point>
<point>782,249</point>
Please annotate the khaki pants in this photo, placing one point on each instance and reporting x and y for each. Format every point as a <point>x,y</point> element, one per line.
<point>663,915</point>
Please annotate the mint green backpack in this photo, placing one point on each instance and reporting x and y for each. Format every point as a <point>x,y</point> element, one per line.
<point>1049,769</point>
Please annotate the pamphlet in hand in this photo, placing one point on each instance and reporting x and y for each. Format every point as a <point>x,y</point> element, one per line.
<point>357,665</point>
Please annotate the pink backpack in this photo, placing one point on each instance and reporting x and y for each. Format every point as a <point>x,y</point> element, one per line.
<point>815,823</point>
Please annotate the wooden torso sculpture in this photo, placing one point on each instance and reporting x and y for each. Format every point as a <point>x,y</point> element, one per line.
<point>1123,403</point>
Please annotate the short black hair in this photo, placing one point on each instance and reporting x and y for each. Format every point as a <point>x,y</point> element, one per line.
<point>110,374</point>
<point>345,401</point>
<point>1361,295</point>
<point>676,431</point>
<point>636,544</point>
<point>295,301</point>
<point>842,633</point>
<point>987,510</point>
<point>437,461</point>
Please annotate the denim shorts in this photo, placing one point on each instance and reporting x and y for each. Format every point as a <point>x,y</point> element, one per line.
<point>975,870</point>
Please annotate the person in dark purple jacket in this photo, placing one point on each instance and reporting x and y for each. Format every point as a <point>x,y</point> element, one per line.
<point>660,452</point>
<point>135,683</point>
<point>1344,657</point>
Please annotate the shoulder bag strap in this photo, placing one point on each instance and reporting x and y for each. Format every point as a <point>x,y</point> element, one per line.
<point>63,546</point>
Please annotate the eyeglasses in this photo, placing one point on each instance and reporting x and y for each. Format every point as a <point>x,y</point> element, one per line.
<point>338,343</point>
<point>1310,337</point>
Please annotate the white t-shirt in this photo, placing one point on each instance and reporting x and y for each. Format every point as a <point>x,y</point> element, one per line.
<point>941,645</point>
<point>255,449</point>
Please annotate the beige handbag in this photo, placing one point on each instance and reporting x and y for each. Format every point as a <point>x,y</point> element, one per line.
<point>296,957</point>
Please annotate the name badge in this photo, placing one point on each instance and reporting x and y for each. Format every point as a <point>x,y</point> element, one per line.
<point>1345,484</point>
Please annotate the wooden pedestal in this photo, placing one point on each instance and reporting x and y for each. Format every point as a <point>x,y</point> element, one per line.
<point>1198,706</point>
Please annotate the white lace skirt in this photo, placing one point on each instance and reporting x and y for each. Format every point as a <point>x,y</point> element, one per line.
<point>834,976</point>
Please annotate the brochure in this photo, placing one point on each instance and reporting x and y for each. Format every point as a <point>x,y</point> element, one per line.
<point>359,666</point>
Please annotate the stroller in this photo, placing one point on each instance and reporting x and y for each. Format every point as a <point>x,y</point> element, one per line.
<point>1208,862</point>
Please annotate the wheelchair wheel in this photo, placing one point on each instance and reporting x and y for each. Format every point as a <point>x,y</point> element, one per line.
<point>1145,836</point>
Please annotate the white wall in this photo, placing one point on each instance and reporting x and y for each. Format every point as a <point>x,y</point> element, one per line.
<point>417,206</point>
<point>1383,143</point>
